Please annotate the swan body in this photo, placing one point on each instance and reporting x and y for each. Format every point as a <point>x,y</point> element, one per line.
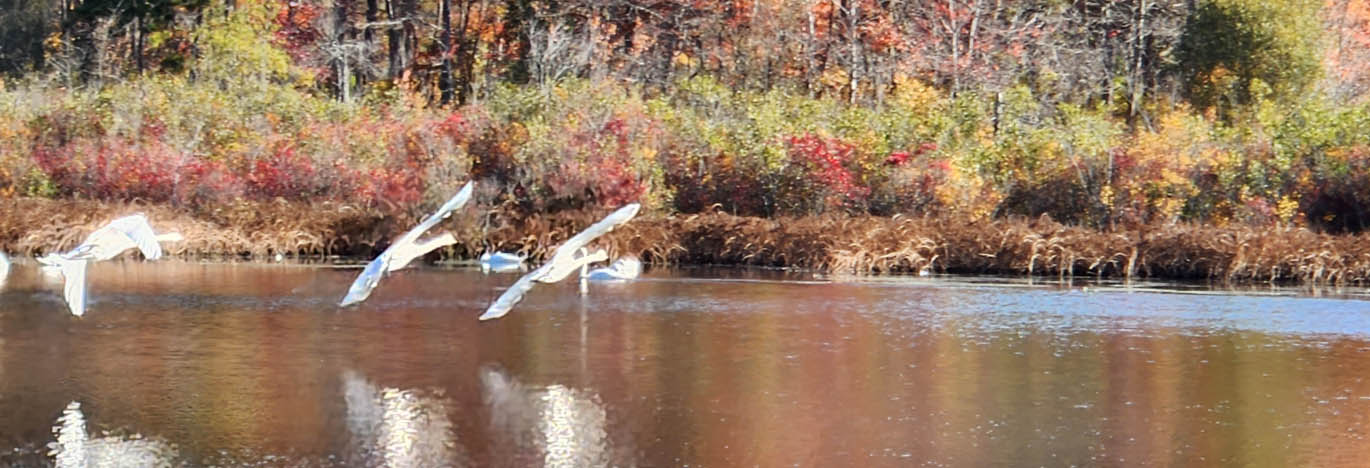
<point>581,262</point>
<point>622,269</point>
<point>567,258</point>
<point>500,262</point>
<point>406,249</point>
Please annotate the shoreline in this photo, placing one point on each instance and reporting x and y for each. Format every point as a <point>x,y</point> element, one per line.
<point>836,245</point>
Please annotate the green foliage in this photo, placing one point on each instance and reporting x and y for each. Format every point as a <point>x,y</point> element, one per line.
<point>1234,52</point>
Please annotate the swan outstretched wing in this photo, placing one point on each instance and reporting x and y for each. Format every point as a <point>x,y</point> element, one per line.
<point>74,286</point>
<point>138,230</point>
<point>403,254</point>
<point>455,203</point>
<point>514,294</point>
<point>366,281</point>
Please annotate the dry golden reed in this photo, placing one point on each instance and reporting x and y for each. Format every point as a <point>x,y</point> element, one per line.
<point>837,244</point>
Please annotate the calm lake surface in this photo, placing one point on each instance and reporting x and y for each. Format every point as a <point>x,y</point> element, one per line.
<point>254,365</point>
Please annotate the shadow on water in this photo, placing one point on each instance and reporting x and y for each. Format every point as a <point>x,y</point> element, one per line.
<point>242,364</point>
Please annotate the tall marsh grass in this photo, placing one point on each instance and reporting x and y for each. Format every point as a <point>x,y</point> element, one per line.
<point>846,245</point>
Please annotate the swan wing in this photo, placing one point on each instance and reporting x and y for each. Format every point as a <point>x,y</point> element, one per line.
<point>137,229</point>
<point>403,254</point>
<point>628,267</point>
<point>455,203</point>
<point>368,279</point>
<point>74,287</point>
<point>513,295</point>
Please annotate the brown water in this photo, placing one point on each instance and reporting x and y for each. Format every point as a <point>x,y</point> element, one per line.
<point>254,365</point>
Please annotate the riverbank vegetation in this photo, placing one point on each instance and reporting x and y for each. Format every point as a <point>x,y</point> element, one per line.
<point>1230,139</point>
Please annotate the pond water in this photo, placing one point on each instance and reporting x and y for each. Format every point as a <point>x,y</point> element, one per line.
<point>254,365</point>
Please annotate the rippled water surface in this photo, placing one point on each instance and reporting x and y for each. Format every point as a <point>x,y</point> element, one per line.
<point>191,364</point>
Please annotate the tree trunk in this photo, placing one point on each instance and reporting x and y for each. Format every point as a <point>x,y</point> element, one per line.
<point>445,79</point>
<point>372,14</point>
<point>397,36</point>
<point>466,54</point>
<point>343,74</point>
<point>516,16</point>
<point>138,37</point>
<point>810,72</point>
<point>1138,52</point>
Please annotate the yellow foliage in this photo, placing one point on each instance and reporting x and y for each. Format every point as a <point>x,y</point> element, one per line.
<point>684,60</point>
<point>1287,208</point>
<point>914,94</point>
<point>834,78</point>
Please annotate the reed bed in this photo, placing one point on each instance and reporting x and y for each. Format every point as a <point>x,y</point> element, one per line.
<point>836,244</point>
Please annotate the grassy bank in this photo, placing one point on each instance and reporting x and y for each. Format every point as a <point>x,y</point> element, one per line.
<point>835,244</point>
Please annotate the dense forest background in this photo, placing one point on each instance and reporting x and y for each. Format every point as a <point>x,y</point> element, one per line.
<point>1100,113</point>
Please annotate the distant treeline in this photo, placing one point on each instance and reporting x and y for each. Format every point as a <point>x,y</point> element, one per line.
<point>1111,115</point>
<point>1124,55</point>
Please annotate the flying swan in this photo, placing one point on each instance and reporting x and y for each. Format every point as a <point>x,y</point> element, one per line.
<point>405,249</point>
<point>105,243</point>
<point>568,257</point>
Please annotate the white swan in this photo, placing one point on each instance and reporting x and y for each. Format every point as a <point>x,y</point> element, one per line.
<point>406,249</point>
<point>119,235</point>
<point>103,244</point>
<point>500,262</point>
<point>567,258</point>
<point>625,268</point>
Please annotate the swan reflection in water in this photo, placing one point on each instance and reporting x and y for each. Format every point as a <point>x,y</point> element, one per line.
<point>398,428</point>
<point>565,425</point>
<point>76,448</point>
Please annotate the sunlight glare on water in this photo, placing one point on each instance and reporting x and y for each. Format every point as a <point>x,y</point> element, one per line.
<point>254,365</point>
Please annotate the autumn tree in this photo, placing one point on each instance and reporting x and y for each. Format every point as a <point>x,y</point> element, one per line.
<point>1347,61</point>
<point>1229,45</point>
